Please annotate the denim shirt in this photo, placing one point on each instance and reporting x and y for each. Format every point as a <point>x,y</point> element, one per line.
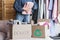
<point>25,1</point>
<point>18,5</point>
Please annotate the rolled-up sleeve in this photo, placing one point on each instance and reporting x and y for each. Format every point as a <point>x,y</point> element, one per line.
<point>17,6</point>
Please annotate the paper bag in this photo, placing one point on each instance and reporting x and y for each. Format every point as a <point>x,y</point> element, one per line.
<point>38,31</point>
<point>43,20</point>
<point>21,31</point>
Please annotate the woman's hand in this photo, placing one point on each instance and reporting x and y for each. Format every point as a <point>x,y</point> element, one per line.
<point>26,8</point>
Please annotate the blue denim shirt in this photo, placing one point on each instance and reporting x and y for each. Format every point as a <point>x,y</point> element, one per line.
<point>18,5</point>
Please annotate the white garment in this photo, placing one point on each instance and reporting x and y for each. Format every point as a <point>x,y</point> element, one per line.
<point>41,12</point>
<point>59,18</point>
<point>44,11</point>
<point>52,29</point>
<point>47,11</point>
<point>57,28</point>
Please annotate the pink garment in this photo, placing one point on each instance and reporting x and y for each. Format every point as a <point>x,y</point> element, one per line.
<point>55,13</point>
<point>47,11</point>
<point>46,23</point>
<point>29,12</point>
<point>30,5</point>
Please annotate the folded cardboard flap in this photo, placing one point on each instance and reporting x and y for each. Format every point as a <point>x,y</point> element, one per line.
<point>38,31</point>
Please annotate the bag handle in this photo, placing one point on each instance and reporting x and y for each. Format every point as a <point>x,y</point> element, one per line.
<point>19,22</point>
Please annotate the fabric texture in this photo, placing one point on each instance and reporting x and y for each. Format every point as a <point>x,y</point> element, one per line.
<point>51,3</point>
<point>47,11</point>
<point>50,14</point>
<point>30,6</point>
<point>25,18</point>
<point>55,13</point>
<point>52,28</point>
<point>2,36</point>
<point>41,12</point>
<point>18,5</point>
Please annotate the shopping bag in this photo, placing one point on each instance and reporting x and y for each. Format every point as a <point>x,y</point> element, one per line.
<point>43,20</point>
<point>21,31</point>
<point>38,31</point>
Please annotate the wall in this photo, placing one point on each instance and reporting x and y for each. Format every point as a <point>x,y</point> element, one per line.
<point>0,9</point>
<point>9,12</point>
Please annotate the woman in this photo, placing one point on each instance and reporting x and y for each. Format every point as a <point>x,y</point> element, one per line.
<point>19,7</point>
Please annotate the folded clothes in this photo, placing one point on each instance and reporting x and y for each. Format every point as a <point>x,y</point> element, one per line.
<point>30,6</point>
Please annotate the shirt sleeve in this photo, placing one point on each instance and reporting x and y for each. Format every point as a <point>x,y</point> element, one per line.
<point>18,6</point>
<point>35,5</point>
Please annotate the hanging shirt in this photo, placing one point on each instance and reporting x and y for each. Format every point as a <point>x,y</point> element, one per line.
<point>30,6</point>
<point>47,11</point>
<point>41,9</point>
<point>55,13</point>
<point>51,3</point>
